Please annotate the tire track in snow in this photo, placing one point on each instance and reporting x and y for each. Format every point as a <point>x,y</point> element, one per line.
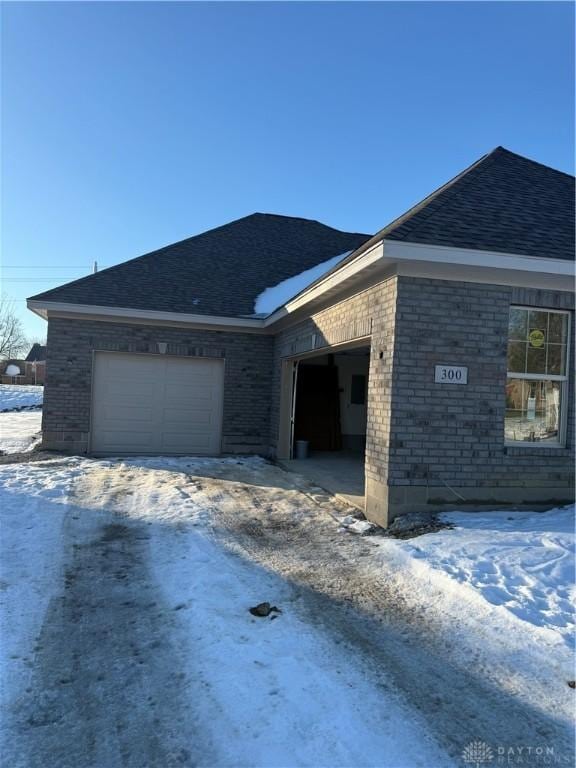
<point>399,642</point>
<point>108,687</point>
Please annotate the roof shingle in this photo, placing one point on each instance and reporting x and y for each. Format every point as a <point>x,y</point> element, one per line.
<point>220,272</point>
<point>504,202</point>
<point>37,353</point>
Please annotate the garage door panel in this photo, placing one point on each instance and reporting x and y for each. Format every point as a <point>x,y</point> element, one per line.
<point>179,443</point>
<point>203,390</point>
<point>128,363</point>
<point>119,425</point>
<point>125,390</point>
<point>126,440</point>
<point>153,404</point>
<point>198,416</point>
<point>116,413</point>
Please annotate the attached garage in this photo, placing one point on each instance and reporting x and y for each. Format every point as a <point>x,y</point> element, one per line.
<point>339,339</point>
<point>151,404</point>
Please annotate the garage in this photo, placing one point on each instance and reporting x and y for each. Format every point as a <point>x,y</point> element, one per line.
<point>148,404</point>
<point>327,395</point>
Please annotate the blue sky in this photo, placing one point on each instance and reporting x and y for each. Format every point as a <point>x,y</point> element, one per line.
<point>128,126</point>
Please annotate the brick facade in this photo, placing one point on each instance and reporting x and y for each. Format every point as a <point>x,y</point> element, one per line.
<point>370,313</point>
<point>427,446</point>
<point>67,399</point>
<point>447,441</point>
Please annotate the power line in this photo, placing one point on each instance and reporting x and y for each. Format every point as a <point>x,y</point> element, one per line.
<point>87,269</point>
<point>34,280</point>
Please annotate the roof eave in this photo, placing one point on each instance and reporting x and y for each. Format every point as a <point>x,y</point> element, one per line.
<point>45,309</point>
<point>383,258</point>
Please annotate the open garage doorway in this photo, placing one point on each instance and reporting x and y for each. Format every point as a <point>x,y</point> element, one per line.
<point>329,414</point>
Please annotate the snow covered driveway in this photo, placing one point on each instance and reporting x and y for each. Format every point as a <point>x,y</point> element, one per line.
<point>128,641</point>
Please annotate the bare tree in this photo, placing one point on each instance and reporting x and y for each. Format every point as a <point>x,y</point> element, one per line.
<point>13,340</point>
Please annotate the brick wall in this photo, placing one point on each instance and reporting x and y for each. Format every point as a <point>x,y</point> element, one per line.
<point>369,313</point>
<point>424,438</point>
<point>67,397</point>
<point>454,435</point>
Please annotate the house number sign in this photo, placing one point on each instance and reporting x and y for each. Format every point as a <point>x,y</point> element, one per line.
<point>451,374</point>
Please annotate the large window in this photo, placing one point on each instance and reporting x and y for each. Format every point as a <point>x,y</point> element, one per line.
<point>537,374</point>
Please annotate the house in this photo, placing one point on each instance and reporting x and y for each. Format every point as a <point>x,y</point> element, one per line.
<point>31,370</point>
<point>436,351</point>
<point>35,364</point>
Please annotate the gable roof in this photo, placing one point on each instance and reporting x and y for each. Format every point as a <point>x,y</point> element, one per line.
<point>504,202</point>
<point>219,272</point>
<point>37,353</point>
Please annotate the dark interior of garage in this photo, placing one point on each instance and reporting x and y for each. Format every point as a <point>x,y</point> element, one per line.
<point>331,401</point>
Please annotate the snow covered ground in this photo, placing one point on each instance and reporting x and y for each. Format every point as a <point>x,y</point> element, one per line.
<point>520,561</point>
<point>19,430</point>
<point>230,689</point>
<point>33,507</point>
<point>127,641</point>
<point>13,396</point>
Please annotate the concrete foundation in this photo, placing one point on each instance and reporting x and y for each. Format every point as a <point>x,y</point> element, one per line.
<point>384,503</point>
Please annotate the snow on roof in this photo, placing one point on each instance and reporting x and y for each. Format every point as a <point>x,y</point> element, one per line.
<point>274,297</point>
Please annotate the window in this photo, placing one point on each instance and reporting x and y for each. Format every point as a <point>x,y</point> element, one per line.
<point>358,390</point>
<point>537,375</point>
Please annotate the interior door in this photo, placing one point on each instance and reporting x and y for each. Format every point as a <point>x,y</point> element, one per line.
<point>317,412</point>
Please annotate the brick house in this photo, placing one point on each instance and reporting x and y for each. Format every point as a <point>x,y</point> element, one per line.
<point>435,353</point>
<point>32,368</point>
<point>35,364</point>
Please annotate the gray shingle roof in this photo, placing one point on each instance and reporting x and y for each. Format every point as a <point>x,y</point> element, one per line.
<point>220,272</point>
<point>504,202</point>
<point>37,353</point>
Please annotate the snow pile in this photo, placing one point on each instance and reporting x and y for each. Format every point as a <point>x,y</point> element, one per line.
<point>355,525</point>
<point>276,296</point>
<point>19,431</point>
<point>520,561</point>
<point>14,396</point>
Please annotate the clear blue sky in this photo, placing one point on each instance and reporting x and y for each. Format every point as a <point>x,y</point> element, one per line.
<point>128,126</point>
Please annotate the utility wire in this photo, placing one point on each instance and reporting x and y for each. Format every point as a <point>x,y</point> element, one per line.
<point>38,279</point>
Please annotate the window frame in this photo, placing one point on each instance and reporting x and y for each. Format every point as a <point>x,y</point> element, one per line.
<point>563,420</point>
<point>364,390</point>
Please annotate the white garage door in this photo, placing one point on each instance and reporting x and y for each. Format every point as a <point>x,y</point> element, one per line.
<point>154,404</point>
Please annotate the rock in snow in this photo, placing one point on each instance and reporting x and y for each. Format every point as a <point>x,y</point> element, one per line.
<point>264,609</point>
